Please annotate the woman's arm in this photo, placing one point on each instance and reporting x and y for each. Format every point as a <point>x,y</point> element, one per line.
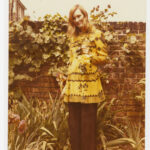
<point>99,54</point>
<point>70,56</point>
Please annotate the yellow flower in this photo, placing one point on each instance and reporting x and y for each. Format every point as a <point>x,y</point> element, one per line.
<point>133,39</point>
<point>125,45</point>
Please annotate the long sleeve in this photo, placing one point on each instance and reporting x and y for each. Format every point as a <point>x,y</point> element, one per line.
<point>70,56</point>
<point>99,53</point>
<point>83,82</point>
<point>70,53</point>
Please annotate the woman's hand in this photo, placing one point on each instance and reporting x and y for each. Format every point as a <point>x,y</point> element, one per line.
<point>85,49</point>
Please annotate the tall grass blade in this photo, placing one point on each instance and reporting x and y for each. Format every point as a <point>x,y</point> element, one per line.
<point>47,131</point>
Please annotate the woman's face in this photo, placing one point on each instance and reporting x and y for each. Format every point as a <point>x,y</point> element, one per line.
<point>78,19</point>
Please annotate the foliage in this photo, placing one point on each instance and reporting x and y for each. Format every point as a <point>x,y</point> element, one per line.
<point>104,117</point>
<point>44,125</point>
<point>47,127</point>
<point>131,135</point>
<point>112,134</point>
<point>141,97</point>
<point>30,48</point>
<point>130,57</point>
<point>35,124</point>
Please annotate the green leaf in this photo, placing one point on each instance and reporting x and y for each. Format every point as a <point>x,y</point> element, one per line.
<point>15,61</point>
<point>55,126</point>
<point>56,53</point>
<point>46,56</point>
<point>43,147</point>
<point>142,81</point>
<point>31,69</point>
<point>121,141</point>
<point>22,76</point>
<point>28,60</point>
<point>117,129</point>
<point>47,131</point>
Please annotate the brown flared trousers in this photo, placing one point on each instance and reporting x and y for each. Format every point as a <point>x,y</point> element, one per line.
<point>82,125</point>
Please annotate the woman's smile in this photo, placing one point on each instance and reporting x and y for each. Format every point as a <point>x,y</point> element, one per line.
<point>78,18</point>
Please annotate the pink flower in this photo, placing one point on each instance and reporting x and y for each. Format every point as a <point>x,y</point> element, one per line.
<point>14,118</point>
<point>22,126</point>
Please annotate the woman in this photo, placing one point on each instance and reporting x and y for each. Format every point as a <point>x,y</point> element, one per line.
<point>83,88</point>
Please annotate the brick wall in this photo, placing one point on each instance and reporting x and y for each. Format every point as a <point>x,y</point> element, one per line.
<point>41,85</point>
<point>125,81</point>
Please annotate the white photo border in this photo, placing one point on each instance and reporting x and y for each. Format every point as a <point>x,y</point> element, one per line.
<point>4,75</point>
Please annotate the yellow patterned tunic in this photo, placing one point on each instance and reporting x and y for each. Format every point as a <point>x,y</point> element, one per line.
<point>83,82</point>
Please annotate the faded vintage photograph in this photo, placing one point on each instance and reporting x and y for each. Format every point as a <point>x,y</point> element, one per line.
<point>76,75</point>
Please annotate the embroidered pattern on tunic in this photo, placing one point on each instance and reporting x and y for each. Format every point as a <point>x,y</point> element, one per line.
<point>83,83</point>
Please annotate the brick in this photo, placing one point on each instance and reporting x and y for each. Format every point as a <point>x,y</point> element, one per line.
<point>139,70</point>
<point>45,73</point>
<point>128,80</point>
<point>128,86</point>
<point>45,84</point>
<point>52,79</point>
<point>134,31</point>
<point>35,90</point>
<point>115,47</point>
<point>135,24</point>
<point>141,31</point>
<point>121,80</point>
<point>131,25</point>
<point>123,36</point>
<point>44,79</point>
<point>21,84</point>
<point>131,75</point>
<point>139,37</point>
<point>119,32</point>
<point>141,47</point>
<point>142,26</point>
<point>122,75</point>
<point>115,75</point>
<point>140,75</point>
<point>118,70</point>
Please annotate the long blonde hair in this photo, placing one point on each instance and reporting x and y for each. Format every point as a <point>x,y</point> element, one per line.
<point>72,29</point>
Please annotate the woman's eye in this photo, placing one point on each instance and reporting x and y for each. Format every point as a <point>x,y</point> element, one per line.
<point>74,18</point>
